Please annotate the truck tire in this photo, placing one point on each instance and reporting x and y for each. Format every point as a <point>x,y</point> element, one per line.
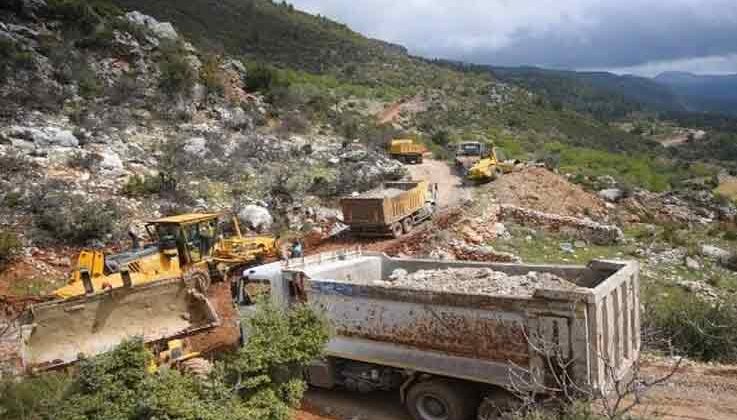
<point>499,404</point>
<point>441,399</point>
<point>407,225</point>
<point>397,230</point>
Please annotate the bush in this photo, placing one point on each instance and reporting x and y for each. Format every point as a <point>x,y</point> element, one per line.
<point>177,75</point>
<point>261,381</point>
<point>262,78</point>
<point>13,163</point>
<point>211,75</point>
<point>72,219</point>
<point>9,246</point>
<point>138,186</point>
<point>693,327</point>
<point>86,161</point>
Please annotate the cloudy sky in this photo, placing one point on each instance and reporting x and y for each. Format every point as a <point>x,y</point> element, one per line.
<point>634,36</point>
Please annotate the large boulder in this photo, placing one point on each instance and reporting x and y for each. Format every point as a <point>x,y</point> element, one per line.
<point>714,252</point>
<point>49,136</point>
<point>611,194</point>
<point>256,218</point>
<point>196,146</point>
<point>162,30</point>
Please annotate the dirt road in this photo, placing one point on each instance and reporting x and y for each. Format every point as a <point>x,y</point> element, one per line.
<point>697,392</point>
<point>451,189</point>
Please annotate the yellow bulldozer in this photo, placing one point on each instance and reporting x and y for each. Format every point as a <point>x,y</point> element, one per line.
<point>158,292</point>
<point>187,245</point>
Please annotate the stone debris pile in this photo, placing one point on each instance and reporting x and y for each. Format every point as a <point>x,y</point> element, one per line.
<point>381,193</point>
<point>477,281</point>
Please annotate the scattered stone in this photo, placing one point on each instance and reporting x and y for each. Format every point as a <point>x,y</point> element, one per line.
<point>196,146</point>
<point>611,194</point>
<point>583,229</point>
<point>567,247</point>
<point>692,264</point>
<point>580,244</point>
<point>714,252</point>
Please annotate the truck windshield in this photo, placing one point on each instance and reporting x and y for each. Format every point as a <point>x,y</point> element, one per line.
<point>470,150</point>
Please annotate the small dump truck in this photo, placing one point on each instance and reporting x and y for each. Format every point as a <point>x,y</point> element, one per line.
<point>392,210</point>
<point>455,337</point>
<point>406,150</point>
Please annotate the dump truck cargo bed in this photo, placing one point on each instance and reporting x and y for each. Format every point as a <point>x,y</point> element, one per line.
<point>55,333</point>
<point>589,315</point>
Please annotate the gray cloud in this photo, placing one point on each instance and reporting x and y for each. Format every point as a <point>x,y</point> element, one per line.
<point>577,34</point>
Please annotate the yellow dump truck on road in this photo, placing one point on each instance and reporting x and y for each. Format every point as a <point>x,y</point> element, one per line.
<point>392,210</point>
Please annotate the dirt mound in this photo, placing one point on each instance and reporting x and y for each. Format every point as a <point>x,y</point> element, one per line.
<point>542,190</point>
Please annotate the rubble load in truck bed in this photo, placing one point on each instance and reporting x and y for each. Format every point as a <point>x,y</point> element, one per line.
<point>477,281</point>
<point>381,193</point>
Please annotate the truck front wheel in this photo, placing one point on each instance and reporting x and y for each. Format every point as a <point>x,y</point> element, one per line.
<point>439,399</point>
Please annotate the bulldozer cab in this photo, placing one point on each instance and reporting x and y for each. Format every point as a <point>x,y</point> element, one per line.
<point>191,237</point>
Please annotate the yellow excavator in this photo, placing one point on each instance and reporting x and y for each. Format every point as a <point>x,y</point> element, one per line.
<point>186,245</point>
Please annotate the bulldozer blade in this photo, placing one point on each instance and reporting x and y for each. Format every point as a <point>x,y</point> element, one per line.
<point>57,333</point>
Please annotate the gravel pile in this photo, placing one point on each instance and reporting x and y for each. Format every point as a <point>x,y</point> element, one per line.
<point>477,281</point>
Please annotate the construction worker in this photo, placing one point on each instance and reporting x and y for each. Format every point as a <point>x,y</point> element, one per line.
<point>297,251</point>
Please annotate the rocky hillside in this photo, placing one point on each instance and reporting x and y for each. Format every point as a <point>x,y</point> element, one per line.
<point>112,118</point>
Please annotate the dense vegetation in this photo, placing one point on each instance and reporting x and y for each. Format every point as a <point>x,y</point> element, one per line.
<point>262,381</point>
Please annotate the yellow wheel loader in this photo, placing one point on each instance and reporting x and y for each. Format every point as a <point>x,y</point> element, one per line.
<point>157,292</point>
<point>488,168</point>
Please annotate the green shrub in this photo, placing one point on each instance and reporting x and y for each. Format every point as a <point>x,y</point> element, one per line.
<point>261,381</point>
<point>138,186</point>
<point>177,75</point>
<point>692,326</point>
<point>72,219</point>
<point>86,161</point>
<point>84,14</point>
<point>262,78</point>
<point>14,163</point>
<point>211,76</point>
<point>9,246</point>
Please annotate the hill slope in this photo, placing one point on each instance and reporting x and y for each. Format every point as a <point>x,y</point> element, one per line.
<point>702,92</point>
<point>602,94</point>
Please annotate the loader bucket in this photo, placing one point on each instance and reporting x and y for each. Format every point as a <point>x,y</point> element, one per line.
<point>56,333</point>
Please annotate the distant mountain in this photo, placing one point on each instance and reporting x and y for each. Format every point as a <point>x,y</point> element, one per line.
<point>605,95</point>
<point>702,92</point>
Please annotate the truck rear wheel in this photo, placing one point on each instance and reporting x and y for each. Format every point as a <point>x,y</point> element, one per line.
<point>407,225</point>
<point>440,399</point>
<point>397,230</point>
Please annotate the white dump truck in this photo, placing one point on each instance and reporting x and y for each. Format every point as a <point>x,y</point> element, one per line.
<point>448,335</point>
